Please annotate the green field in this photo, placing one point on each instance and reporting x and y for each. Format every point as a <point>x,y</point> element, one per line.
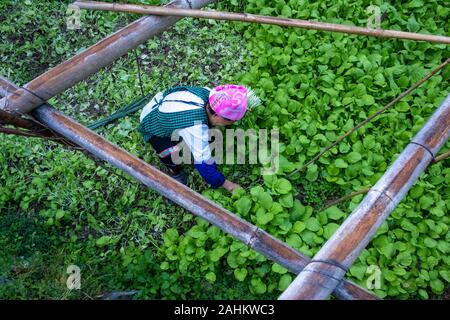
<point>59,207</point>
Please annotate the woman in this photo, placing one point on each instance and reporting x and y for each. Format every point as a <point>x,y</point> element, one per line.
<point>192,111</point>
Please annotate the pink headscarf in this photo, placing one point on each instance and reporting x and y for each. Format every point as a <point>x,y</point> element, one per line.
<point>229,101</point>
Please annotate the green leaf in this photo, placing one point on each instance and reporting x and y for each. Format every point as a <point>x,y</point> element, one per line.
<point>445,274</point>
<point>103,241</point>
<point>265,200</point>
<point>285,281</point>
<point>404,258</point>
<point>214,232</point>
<point>308,237</point>
<point>430,243</point>
<point>278,269</point>
<point>423,294</point>
<point>402,106</point>
<point>438,212</point>
<point>414,4</point>
<point>443,246</point>
<point>400,271</point>
<point>211,277</point>
<point>389,275</point>
<point>312,173</point>
<point>240,273</point>
<point>339,163</point>
<point>367,100</point>
<point>236,245</point>
<point>258,286</point>
<point>238,193</point>
<point>232,261</point>
<point>59,214</point>
<point>379,79</point>
<point>347,100</point>
<point>359,90</point>
<point>264,217</point>
<point>344,148</point>
<point>297,210</point>
<point>164,265</point>
<point>170,236</point>
<point>243,205</point>
<point>437,286</point>
<point>387,250</point>
<point>276,208</point>
<point>413,25</point>
<point>196,232</point>
<point>426,202</point>
<point>369,142</point>
<point>270,180</point>
<point>298,227</point>
<point>329,230</point>
<point>334,213</point>
<point>266,84</point>
<point>353,157</point>
<point>358,271</point>
<point>294,241</point>
<point>312,224</point>
<point>286,200</point>
<point>283,186</point>
<point>217,253</point>
<point>286,12</point>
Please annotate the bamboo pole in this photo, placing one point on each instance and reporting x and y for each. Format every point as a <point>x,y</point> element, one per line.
<point>100,55</point>
<point>252,236</point>
<point>319,278</point>
<point>246,17</point>
<point>373,116</point>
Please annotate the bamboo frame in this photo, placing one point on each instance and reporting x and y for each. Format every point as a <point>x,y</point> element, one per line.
<point>252,236</point>
<point>329,265</point>
<point>246,17</point>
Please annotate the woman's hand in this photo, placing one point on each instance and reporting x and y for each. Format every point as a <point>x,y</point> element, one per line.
<point>230,186</point>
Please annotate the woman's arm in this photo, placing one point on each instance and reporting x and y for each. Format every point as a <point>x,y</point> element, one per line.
<point>197,139</point>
